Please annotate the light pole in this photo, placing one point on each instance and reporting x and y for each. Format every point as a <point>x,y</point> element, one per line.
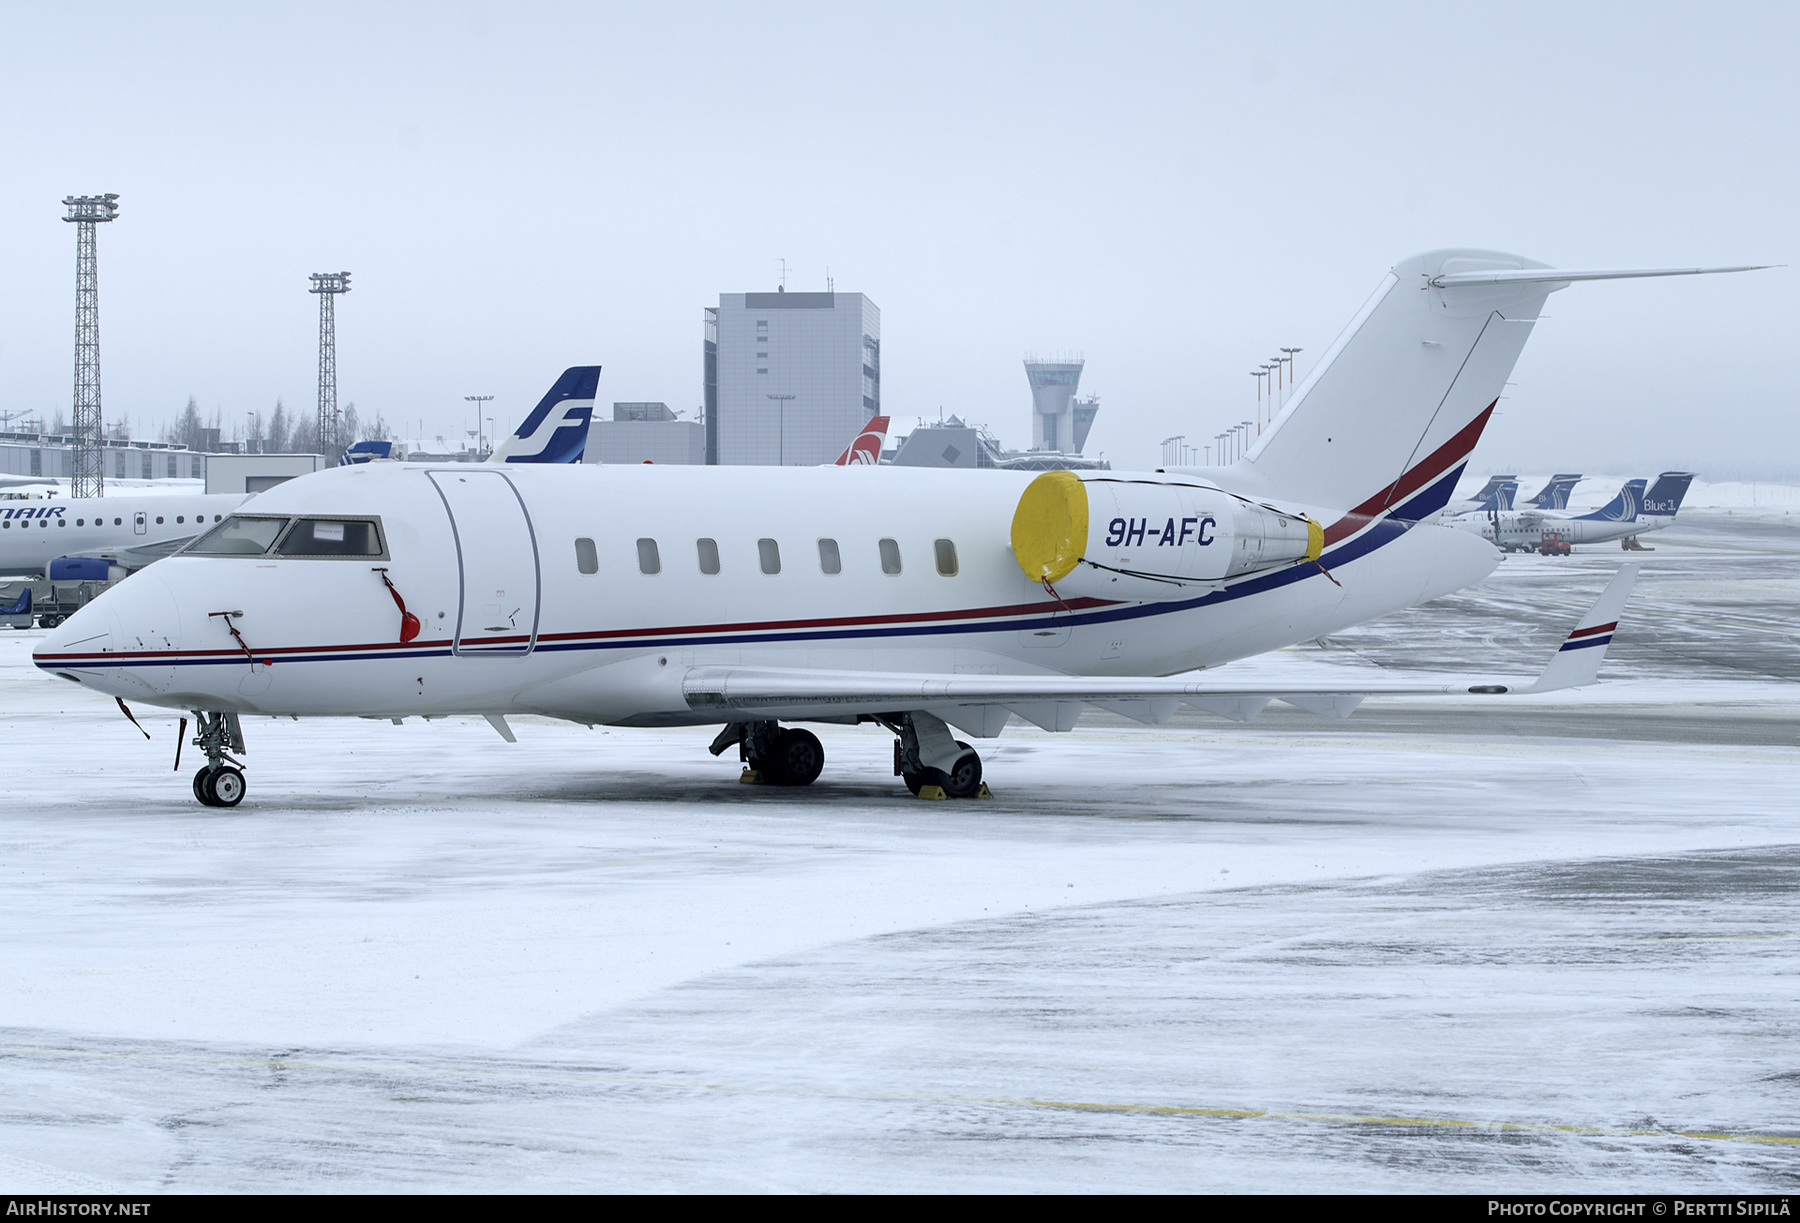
<point>1293,368</point>
<point>781,429</point>
<point>478,401</point>
<point>250,431</point>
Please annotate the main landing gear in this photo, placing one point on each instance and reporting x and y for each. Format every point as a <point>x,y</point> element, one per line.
<point>791,757</point>
<point>926,757</point>
<point>220,783</point>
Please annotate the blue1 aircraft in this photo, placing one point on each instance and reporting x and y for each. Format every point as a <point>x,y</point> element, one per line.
<point>915,600</point>
<point>1627,515</point>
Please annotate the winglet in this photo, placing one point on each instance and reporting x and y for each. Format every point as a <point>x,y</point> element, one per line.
<point>1578,661</point>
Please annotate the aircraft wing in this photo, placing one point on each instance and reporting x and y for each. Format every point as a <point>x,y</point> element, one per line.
<point>979,703</point>
<point>136,557</point>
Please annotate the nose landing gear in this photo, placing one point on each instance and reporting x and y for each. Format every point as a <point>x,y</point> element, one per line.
<point>221,782</point>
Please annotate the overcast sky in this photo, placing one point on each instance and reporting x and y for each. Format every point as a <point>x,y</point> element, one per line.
<point>1172,190</point>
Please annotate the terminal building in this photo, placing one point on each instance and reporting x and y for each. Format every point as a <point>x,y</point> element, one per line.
<point>790,378</point>
<point>1059,429</point>
<point>52,457</point>
<point>645,433</point>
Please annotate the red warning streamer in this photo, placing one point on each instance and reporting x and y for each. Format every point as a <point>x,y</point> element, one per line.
<point>409,623</point>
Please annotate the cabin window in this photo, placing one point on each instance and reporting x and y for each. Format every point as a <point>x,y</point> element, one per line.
<point>179,519</point>
<point>61,523</point>
<point>118,522</point>
<point>81,522</point>
<point>709,554</point>
<point>829,560</point>
<point>331,537</point>
<point>649,561</point>
<point>586,558</point>
<point>770,553</point>
<point>946,558</point>
<point>159,520</point>
<point>890,556</point>
<point>237,537</point>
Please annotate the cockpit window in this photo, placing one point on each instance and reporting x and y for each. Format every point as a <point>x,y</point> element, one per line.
<point>238,536</point>
<point>331,537</point>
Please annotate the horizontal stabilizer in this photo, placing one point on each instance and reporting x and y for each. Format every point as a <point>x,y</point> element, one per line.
<point>1539,276</point>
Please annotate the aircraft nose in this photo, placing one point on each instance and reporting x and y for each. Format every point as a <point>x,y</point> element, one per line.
<point>137,615</point>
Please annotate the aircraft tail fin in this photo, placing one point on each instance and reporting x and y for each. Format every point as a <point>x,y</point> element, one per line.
<point>1624,506</point>
<point>865,451</point>
<point>1664,497</point>
<point>1556,493</point>
<point>1501,498</point>
<point>1385,422</point>
<point>557,429</point>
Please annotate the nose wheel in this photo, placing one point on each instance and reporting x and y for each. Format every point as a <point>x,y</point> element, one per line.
<point>221,782</point>
<point>220,787</point>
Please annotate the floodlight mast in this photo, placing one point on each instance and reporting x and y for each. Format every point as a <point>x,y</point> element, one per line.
<point>86,211</point>
<point>328,285</point>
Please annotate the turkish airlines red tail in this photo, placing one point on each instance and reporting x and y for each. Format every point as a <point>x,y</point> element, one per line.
<point>866,449</point>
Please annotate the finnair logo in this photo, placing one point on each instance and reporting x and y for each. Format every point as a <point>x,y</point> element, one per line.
<point>559,437</point>
<point>42,511</point>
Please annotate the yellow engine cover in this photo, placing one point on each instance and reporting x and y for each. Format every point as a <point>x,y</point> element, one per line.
<point>1050,527</point>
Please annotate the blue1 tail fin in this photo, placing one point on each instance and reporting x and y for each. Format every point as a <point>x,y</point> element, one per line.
<point>1664,497</point>
<point>1556,493</point>
<point>557,429</point>
<point>1622,508</point>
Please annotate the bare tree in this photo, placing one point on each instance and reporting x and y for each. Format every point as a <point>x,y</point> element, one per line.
<point>281,427</point>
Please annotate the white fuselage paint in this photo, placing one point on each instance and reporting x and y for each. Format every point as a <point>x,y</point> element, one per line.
<point>33,533</point>
<point>487,560</point>
<point>1525,528</point>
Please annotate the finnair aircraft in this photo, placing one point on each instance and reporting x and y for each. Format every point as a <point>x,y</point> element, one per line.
<point>910,599</point>
<point>132,531</point>
<point>1627,514</point>
<point>126,529</point>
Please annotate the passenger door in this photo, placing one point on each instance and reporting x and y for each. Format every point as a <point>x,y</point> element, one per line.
<point>497,558</point>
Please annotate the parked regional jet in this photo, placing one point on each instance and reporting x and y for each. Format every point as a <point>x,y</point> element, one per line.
<point>1627,514</point>
<point>133,529</point>
<point>912,599</point>
<point>129,529</point>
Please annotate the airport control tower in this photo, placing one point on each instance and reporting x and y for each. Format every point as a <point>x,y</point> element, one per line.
<point>1057,422</point>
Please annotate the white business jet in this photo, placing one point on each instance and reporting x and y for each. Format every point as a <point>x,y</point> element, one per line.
<point>908,598</point>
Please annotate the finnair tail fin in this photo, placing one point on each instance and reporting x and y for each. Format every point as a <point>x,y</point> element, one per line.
<point>865,451</point>
<point>557,429</point>
<point>1664,497</point>
<point>1385,422</point>
<point>1623,507</point>
<point>1556,493</point>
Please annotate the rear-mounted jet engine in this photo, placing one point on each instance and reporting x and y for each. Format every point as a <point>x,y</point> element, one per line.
<point>1149,540</point>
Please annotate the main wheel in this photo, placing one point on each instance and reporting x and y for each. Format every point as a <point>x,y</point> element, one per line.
<point>201,791</point>
<point>962,781</point>
<point>798,758</point>
<point>964,778</point>
<point>226,785</point>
